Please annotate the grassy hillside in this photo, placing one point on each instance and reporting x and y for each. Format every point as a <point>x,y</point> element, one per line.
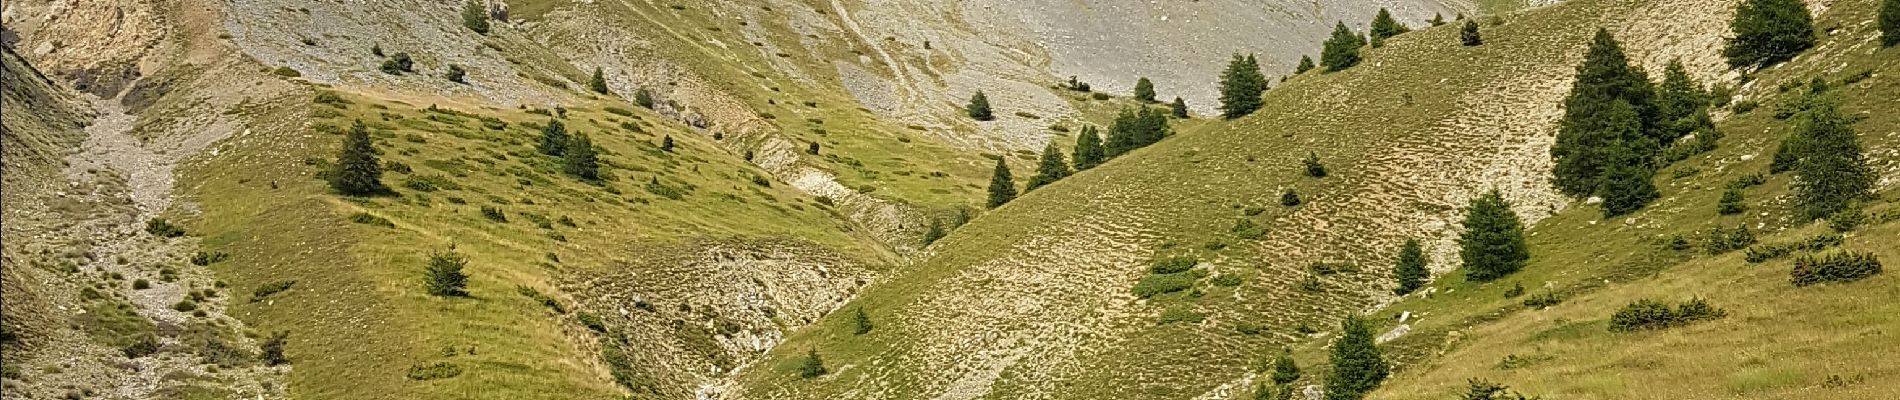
<point>1035,299</point>
<point>357,262</point>
<point>1778,341</point>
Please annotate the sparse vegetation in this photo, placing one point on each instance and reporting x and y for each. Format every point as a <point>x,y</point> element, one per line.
<point>1647,314</point>
<point>1836,267</point>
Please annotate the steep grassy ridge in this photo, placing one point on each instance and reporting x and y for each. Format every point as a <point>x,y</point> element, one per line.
<point>1034,299</point>
<point>1778,341</point>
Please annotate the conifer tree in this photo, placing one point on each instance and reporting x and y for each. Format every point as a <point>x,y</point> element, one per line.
<point>811,366</point>
<point>1890,22</point>
<point>598,83</point>
<point>812,148</point>
<point>1144,90</point>
<point>1002,186</point>
<point>1731,202</point>
<point>553,138</point>
<point>1682,107</point>
<point>1492,244</point>
<point>1768,32</point>
<point>1469,34</point>
<point>1290,198</point>
<point>1135,129</point>
<point>666,143</point>
<point>1384,27</point>
<point>1285,372</point>
<point>643,97</point>
<point>1313,167</point>
<point>1306,64</point>
<point>444,276</point>
<point>456,74</point>
<point>1088,149</point>
<point>1832,173</point>
<point>1608,111</point>
<point>1052,168</point>
<point>357,172</point>
<point>860,322</point>
<point>580,159</point>
<point>979,107</point>
<point>1626,185</point>
<point>474,17</point>
<point>934,232</point>
<point>1240,87</point>
<point>1341,51</point>
<point>1358,366</point>
<point>1411,271</point>
<point>1437,19</point>
<point>1179,108</point>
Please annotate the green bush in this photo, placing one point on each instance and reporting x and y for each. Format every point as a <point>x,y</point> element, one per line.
<point>286,72</point>
<point>161,228</point>
<point>371,220</point>
<point>141,284</point>
<point>1179,314</point>
<point>1170,265</point>
<point>438,370</point>
<point>1648,314</point>
<point>430,183</point>
<point>270,288</point>
<point>591,322</point>
<point>1843,266</point>
<point>1226,280</point>
<point>273,349</point>
<point>1247,229</point>
<point>185,306</point>
<point>1542,300</point>
<point>1722,240</point>
<point>203,258</point>
<point>443,275</point>
<point>494,214</point>
<point>1158,284</point>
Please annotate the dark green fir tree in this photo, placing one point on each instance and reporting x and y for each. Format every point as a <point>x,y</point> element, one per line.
<point>357,172</point>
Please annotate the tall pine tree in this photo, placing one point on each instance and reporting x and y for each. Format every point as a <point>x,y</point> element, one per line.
<point>1144,90</point>
<point>1831,172</point>
<point>1608,119</point>
<point>598,83</point>
<point>1088,149</point>
<point>1002,186</point>
<point>1890,22</point>
<point>1410,271</point>
<point>474,17</point>
<point>1179,108</point>
<point>1052,168</point>
<point>1469,35</point>
<point>1341,51</point>
<point>1626,185</point>
<point>1358,366</point>
<point>979,107</point>
<point>580,159</point>
<point>1384,27</point>
<point>1769,32</point>
<point>1136,129</point>
<point>1682,107</point>
<point>1240,87</point>
<point>356,171</point>
<point>1492,244</point>
<point>553,138</point>
<point>1285,372</point>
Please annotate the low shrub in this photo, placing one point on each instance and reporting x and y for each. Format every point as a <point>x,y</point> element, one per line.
<point>286,72</point>
<point>1842,266</point>
<point>1248,230</point>
<point>1722,240</point>
<point>438,370</point>
<point>1158,284</point>
<point>1180,314</point>
<point>1170,265</point>
<point>371,220</point>
<point>591,322</point>
<point>1226,280</point>
<point>538,297</point>
<point>161,228</point>
<point>1542,300</point>
<point>270,289</point>
<point>273,349</point>
<point>494,214</point>
<point>1648,314</point>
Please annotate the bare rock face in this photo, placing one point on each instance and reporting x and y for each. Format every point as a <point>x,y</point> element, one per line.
<point>95,46</point>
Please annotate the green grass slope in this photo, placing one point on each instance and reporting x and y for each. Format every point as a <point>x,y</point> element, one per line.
<point>1778,341</point>
<point>1035,299</point>
<point>361,323</point>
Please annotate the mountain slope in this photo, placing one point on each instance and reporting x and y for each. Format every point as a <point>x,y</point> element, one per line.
<point>1035,300</point>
